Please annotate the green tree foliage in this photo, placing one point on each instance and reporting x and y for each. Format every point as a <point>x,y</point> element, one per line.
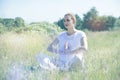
<point>0,20</point>
<point>100,23</point>
<point>1,25</point>
<point>19,22</point>
<point>78,22</point>
<point>117,22</point>
<point>89,18</point>
<point>60,24</point>
<point>93,22</point>
<point>110,22</point>
<point>8,22</point>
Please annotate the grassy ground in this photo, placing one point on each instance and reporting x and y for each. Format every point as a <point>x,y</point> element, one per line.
<point>18,50</point>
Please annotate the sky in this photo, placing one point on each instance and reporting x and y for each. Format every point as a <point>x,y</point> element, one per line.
<point>53,10</point>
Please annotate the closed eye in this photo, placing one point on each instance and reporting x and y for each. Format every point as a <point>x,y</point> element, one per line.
<point>66,20</point>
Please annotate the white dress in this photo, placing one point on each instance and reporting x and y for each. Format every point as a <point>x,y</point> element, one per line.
<point>64,60</point>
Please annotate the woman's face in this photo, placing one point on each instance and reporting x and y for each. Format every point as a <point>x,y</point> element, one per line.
<point>68,22</point>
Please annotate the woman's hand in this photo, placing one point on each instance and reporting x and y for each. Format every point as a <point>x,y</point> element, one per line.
<point>81,49</point>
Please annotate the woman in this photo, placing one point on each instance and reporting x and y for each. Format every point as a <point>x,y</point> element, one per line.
<point>69,46</point>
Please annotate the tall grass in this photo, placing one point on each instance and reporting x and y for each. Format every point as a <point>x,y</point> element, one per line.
<point>102,58</point>
<point>18,50</point>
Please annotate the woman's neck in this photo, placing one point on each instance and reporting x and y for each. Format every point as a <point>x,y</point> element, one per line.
<point>71,31</point>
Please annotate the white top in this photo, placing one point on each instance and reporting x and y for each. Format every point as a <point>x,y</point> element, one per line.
<point>74,42</point>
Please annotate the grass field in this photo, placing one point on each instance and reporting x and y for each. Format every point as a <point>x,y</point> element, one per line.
<point>18,50</point>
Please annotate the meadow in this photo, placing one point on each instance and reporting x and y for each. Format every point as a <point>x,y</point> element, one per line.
<point>18,51</point>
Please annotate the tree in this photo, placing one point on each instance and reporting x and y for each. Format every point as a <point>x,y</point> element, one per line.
<point>19,22</point>
<point>60,24</point>
<point>0,20</point>
<point>110,22</point>
<point>78,22</point>
<point>8,22</point>
<point>117,22</point>
<point>99,24</point>
<point>89,18</point>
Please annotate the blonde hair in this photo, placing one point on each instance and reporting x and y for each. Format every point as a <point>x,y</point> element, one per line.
<point>72,17</point>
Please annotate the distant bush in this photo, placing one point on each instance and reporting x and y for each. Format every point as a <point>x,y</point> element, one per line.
<point>9,22</point>
<point>41,27</point>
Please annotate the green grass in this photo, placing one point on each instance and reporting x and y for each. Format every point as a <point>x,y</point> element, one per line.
<point>18,50</point>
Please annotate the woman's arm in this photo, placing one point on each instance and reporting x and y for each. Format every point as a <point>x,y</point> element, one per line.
<point>51,47</point>
<point>84,46</point>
